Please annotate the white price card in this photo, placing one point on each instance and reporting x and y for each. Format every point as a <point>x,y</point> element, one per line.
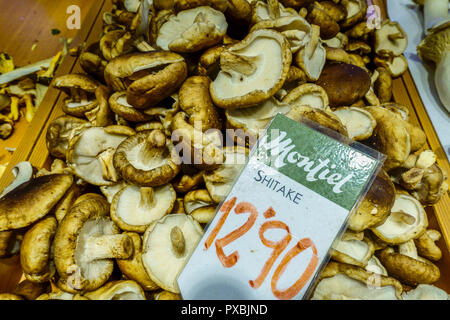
<point>271,235</point>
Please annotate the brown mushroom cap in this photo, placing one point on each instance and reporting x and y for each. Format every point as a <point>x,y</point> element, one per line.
<point>376,205</point>
<point>118,290</point>
<point>296,4</point>
<point>407,269</point>
<point>356,11</point>
<point>59,132</point>
<point>147,158</point>
<point>115,43</point>
<point>80,89</point>
<point>344,83</point>
<point>133,72</point>
<point>328,26</point>
<point>32,200</point>
<point>133,268</point>
<point>195,100</point>
<point>85,243</point>
<point>35,250</point>
<point>120,106</point>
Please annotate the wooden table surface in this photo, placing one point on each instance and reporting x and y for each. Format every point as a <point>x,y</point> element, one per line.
<point>24,23</point>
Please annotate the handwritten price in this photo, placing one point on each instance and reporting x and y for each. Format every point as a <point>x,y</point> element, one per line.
<point>278,247</point>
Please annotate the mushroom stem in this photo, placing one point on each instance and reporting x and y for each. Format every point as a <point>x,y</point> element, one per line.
<point>106,161</point>
<point>434,12</point>
<point>313,42</point>
<point>14,113</point>
<point>147,197</point>
<point>178,241</point>
<point>29,108</point>
<point>442,79</point>
<point>402,216</point>
<point>111,246</point>
<point>394,36</point>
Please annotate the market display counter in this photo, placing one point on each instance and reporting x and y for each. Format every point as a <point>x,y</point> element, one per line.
<point>33,147</point>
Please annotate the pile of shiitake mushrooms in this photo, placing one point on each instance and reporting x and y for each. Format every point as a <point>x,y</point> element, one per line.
<point>121,208</point>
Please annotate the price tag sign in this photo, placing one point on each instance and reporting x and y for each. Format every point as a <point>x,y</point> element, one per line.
<point>271,235</point>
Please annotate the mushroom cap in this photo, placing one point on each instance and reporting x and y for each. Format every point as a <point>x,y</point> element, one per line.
<point>66,202</point>
<point>77,81</point>
<point>407,269</point>
<point>356,11</point>
<point>358,122</point>
<point>200,205</point>
<point>10,296</point>
<point>254,119</point>
<point>162,257</point>
<point>325,118</point>
<point>7,239</point>
<point>395,65</point>
<point>397,228</point>
<point>101,115</point>
<point>120,106</point>
<point>390,137</point>
<point>32,200</point>
<point>426,292</point>
<point>192,30</point>
<point>295,28</point>
<point>308,94</point>
<point>147,158</point>
<point>335,10</point>
<point>195,100</point>
<point>78,237</point>
<point>118,290</point>
<point>147,77</point>
<point>187,182</point>
<point>435,44</point>
<point>115,43</point>
<point>312,65</point>
<point>242,80</point>
<point>340,281</point>
<point>376,205</point>
<point>426,246</point>
<point>352,250</point>
<point>296,4</point>
<point>35,250</point>
<point>110,191</point>
<point>134,208</point>
<point>93,64</point>
<point>344,83</point>
<point>318,16</point>
<point>90,152</point>
<point>59,132</point>
<point>133,268</point>
<point>220,180</point>
<point>264,11</point>
<point>339,41</point>
<point>390,39</point>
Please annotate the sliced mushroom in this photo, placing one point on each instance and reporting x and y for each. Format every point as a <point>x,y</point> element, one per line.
<point>167,246</point>
<point>32,200</point>
<point>35,251</point>
<point>358,122</point>
<point>80,89</point>
<point>192,30</point>
<point>133,268</point>
<point>147,158</point>
<point>148,77</point>
<point>407,220</point>
<point>241,81</point>
<point>200,205</point>
<point>134,208</point>
<point>90,153</point>
<point>346,282</point>
<point>118,290</point>
<point>220,181</point>
<point>85,243</point>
